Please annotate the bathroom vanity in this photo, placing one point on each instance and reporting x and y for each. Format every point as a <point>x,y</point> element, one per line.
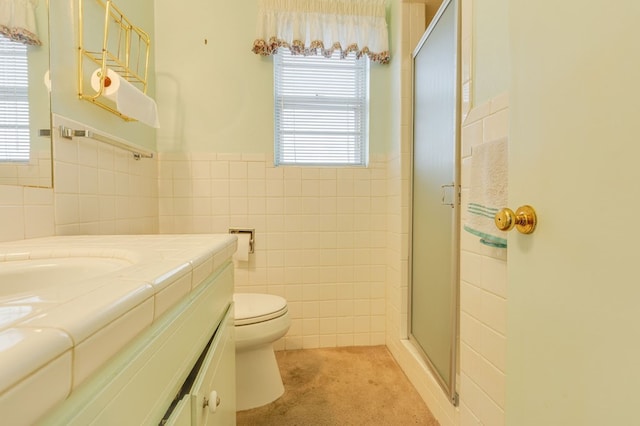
<point>117,330</point>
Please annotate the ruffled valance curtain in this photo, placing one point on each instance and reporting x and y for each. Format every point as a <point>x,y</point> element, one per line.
<point>311,27</point>
<point>18,21</point>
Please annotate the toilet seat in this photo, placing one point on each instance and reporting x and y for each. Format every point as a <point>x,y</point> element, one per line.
<point>253,308</point>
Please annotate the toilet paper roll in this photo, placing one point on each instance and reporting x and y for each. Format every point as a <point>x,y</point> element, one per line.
<point>111,85</point>
<point>129,100</point>
<point>242,253</point>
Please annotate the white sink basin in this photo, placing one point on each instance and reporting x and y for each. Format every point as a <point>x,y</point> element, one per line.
<point>46,275</point>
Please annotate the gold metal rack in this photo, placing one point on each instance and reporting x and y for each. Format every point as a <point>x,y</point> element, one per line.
<point>125,50</point>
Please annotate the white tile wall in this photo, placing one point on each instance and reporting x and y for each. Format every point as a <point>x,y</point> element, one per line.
<point>98,189</point>
<point>483,290</point>
<point>101,189</point>
<point>25,212</point>
<point>320,236</point>
<point>12,212</point>
<point>35,173</point>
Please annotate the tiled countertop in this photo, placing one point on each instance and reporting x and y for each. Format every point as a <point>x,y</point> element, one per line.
<point>58,336</point>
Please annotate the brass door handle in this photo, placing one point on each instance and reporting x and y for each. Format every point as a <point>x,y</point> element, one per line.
<point>524,219</point>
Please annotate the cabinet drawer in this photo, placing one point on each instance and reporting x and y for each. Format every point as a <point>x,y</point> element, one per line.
<point>213,395</point>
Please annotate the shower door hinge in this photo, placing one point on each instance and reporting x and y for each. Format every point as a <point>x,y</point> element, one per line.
<point>455,400</point>
<point>451,195</point>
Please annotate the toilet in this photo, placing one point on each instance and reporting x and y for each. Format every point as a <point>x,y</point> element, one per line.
<point>260,320</point>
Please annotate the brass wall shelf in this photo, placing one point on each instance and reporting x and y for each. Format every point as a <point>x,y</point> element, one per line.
<point>123,49</point>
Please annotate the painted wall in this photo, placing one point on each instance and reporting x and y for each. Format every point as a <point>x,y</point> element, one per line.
<point>38,94</point>
<point>490,49</point>
<point>215,95</point>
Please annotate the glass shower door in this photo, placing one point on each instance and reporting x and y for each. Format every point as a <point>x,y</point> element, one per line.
<point>435,208</point>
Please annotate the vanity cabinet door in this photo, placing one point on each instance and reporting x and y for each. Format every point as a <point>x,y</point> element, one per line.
<point>213,396</point>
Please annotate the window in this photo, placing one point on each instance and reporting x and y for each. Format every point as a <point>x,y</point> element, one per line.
<point>14,101</point>
<point>321,110</point>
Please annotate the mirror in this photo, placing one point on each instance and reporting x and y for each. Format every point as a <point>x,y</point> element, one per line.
<point>32,168</point>
<point>64,44</point>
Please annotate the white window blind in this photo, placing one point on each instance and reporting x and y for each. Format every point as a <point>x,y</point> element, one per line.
<point>14,101</point>
<point>321,110</point>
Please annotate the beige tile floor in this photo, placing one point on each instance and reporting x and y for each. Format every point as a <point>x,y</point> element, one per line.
<point>341,386</point>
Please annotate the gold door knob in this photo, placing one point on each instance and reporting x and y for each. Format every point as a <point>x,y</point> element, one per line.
<point>524,219</point>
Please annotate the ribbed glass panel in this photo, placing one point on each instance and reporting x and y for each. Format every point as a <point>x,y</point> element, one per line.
<point>14,101</point>
<point>321,110</point>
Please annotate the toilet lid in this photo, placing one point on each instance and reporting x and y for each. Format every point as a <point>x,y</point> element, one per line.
<point>251,308</point>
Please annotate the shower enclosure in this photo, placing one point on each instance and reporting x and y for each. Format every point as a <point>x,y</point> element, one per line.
<point>435,221</point>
